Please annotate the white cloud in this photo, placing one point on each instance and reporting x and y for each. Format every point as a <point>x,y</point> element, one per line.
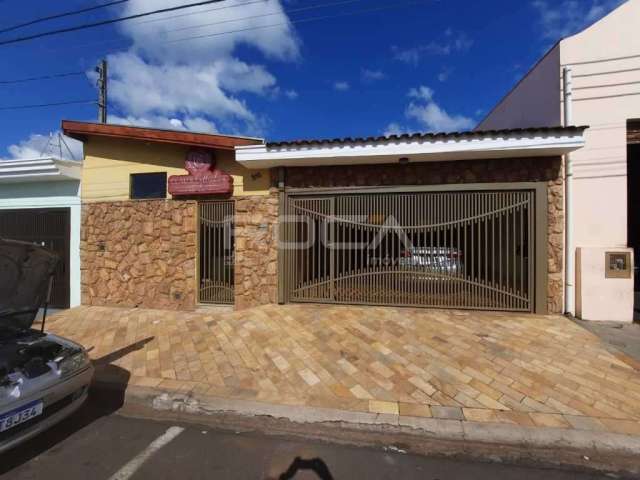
<point>162,82</point>
<point>566,17</point>
<point>51,145</point>
<point>423,93</point>
<point>444,74</point>
<point>428,115</point>
<point>394,128</point>
<point>453,41</point>
<point>372,75</point>
<point>341,86</point>
<point>245,19</point>
<point>194,124</point>
<point>291,94</point>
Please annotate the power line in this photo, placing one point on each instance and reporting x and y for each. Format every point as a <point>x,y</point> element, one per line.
<point>296,21</point>
<point>104,22</point>
<point>43,77</point>
<point>171,17</point>
<point>262,15</point>
<point>54,104</point>
<point>259,27</point>
<point>288,11</point>
<point>61,15</point>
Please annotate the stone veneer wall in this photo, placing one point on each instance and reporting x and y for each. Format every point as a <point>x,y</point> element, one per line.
<point>469,171</point>
<point>139,254</point>
<point>256,253</point>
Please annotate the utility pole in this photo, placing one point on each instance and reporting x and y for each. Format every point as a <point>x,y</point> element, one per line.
<point>102,91</point>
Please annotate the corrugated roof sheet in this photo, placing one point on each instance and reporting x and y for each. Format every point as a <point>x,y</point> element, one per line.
<point>431,136</point>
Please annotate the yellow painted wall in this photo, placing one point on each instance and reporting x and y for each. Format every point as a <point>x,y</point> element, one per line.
<point>108,163</point>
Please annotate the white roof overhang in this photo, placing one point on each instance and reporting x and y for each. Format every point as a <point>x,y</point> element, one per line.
<point>545,142</point>
<point>39,170</point>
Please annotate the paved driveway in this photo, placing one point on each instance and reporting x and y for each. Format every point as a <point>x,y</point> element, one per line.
<point>477,366</point>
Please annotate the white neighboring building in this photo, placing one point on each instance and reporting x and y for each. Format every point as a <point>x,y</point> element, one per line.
<point>40,202</point>
<point>604,67</point>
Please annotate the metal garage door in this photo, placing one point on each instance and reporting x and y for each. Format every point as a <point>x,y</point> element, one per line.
<point>49,228</point>
<point>462,249</point>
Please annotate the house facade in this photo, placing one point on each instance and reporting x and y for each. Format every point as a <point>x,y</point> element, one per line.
<point>40,202</point>
<point>466,220</point>
<point>597,73</point>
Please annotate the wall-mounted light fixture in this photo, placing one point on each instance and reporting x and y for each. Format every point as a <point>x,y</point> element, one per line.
<point>403,160</point>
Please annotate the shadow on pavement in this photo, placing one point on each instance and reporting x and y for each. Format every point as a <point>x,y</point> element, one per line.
<point>316,465</point>
<point>101,403</point>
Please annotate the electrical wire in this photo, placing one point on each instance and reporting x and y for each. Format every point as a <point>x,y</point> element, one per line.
<point>43,77</point>
<point>229,32</point>
<point>61,15</point>
<point>104,22</point>
<point>296,21</point>
<point>54,104</point>
<point>252,17</point>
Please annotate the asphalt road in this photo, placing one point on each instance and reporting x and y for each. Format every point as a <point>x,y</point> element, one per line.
<point>99,444</point>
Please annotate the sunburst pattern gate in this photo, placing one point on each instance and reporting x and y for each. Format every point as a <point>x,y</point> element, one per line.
<point>462,249</point>
<point>216,252</point>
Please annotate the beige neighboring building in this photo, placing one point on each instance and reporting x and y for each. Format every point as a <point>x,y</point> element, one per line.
<point>602,64</point>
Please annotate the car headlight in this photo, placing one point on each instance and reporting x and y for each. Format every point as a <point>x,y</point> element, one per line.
<point>74,363</point>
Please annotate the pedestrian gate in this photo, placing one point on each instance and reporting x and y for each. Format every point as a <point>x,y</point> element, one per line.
<point>216,252</point>
<point>459,249</point>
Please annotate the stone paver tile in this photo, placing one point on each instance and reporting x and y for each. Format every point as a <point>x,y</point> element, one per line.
<point>467,401</point>
<point>549,420</point>
<point>340,390</point>
<point>415,410</point>
<point>517,418</point>
<point>379,406</point>
<point>628,427</point>
<point>361,393</point>
<point>426,387</point>
<point>489,402</point>
<point>447,413</point>
<point>535,406</point>
<point>381,369</point>
<point>486,389</point>
<point>309,377</point>
<point>480,415</point>
<point>510,392</point>
<point>585,423</point>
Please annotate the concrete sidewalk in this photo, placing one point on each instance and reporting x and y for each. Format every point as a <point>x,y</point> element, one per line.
<point>475,376</point>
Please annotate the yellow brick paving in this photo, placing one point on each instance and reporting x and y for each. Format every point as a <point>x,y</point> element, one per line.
<point>526,370</point>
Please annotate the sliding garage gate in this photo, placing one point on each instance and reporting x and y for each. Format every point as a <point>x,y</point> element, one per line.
<point>47,227</point>
<point>455,249</point>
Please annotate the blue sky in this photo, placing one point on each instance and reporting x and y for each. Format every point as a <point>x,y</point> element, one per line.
<point>421,65</point>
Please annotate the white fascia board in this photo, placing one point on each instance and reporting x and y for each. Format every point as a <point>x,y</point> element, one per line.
<point>40,169</point>
<point>419,150</point>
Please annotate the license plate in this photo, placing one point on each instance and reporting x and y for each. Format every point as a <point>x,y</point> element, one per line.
<point>20,415</point>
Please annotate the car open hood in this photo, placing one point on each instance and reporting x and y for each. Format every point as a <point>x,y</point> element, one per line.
<point>25,272</point>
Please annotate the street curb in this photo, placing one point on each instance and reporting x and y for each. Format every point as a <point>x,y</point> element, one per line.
<point>585,442</point>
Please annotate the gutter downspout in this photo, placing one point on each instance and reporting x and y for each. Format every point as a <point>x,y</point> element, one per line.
<point>569,280</point>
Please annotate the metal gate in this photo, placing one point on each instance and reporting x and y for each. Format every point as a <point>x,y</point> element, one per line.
<point>458,249</point>
<point>216,252</point>
<point>49,228</point>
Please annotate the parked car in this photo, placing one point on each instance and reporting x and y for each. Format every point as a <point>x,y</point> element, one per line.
<point>43,378</point>
<point>443,260</point>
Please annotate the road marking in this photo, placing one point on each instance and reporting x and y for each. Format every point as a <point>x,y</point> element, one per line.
<point>130,468</point>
